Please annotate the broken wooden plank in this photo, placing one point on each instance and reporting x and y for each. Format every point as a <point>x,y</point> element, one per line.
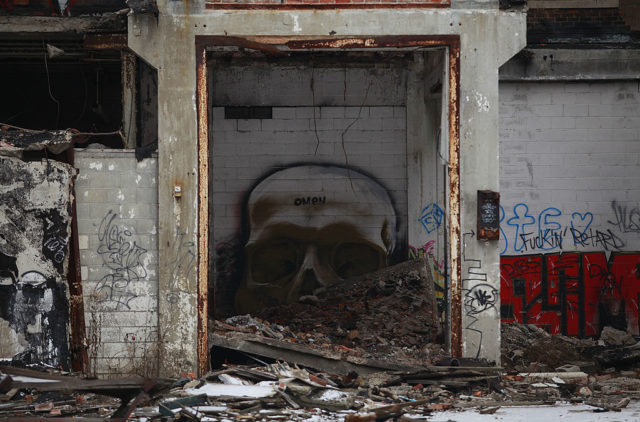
<point>304,356</point>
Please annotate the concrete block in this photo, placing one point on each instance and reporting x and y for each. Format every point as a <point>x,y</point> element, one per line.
<point>225,149</point>
<point>297,125</point>
<point>146,226</point>
<point>226,125</point>
<point>283,113</point>
<point>394,124</point>
<point>575,110</point>
<point>592,97</point>
<point>578,87</point>
<point>381,111</point>
<point>371,123</point>
<point>563,122</point>
<point>562,97</point>
<point>249,125</point>
<point>537,123</point>
<point>332,112</point>
<point>307,112</point>
<point>550,110</point>
<point>603,110</point>
<point>217,113</point>
<point>147,165</point>
<point>142,180</point>
<point>539,97</point>
<point>119,195</point>
<point>273,125</point>
<point>321,124</point>
<point>147,196</point>
<point>354,112</point>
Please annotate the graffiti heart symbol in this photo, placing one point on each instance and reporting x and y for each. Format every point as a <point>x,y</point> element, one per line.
<point>585,220</point>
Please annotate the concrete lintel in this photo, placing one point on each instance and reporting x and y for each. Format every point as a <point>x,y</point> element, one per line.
<point>48,24</point>
<point>549,64</point>
<point>572,4</point>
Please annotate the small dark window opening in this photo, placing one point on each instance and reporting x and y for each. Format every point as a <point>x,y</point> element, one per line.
<point>247,113</point>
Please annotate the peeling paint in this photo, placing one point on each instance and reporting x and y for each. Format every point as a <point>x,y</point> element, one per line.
<point>296,24</point>
<point>95,166</point>
<point>34,258</point>
<point>482,102</point>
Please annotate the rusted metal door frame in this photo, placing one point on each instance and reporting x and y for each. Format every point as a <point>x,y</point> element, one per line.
<point>283,45</point>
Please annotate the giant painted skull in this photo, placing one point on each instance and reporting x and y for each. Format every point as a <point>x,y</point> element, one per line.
<point>312,226</point>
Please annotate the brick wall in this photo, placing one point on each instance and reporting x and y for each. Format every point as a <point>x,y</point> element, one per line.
<point>359,121</point>
<point>553,25</point>
<point>572,149</point>
<point>117,208</point>
<point>569,171</point>
<point>244,150</point>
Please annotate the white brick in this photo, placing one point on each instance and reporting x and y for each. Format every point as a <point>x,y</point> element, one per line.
<point>307,112</point>
<point>249,125</point>
<point>283,113</point>
<point>332,112</point>
<point>225,125</point>
<point>575,110</point>
<point>563,122</point>
<point>273,125</point>
<point>381,111</point>
<point>353,112</point>
<point>297,124</point>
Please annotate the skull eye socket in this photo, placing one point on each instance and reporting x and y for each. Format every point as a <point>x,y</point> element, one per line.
<point>354,259</point>
<point>274,261</point>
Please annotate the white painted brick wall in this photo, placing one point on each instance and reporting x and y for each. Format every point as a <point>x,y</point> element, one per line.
<point>375,142</point>
<point>573,147</point>
<point>119,270</point>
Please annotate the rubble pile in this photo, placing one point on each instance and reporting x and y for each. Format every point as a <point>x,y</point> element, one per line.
<point>389,315</point>
<point>527,348</point>
<point>392,309</point>
<point>313,384</point>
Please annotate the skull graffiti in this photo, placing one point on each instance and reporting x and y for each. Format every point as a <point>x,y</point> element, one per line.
<point>309,227</point>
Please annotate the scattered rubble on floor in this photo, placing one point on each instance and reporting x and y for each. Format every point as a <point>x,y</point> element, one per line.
<point>305,387</point>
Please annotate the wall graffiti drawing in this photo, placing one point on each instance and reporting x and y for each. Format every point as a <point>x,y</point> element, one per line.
<point>122,258</point>
<point>182,267</point>
<point>34,243</point>
<point>552,230</point>
<point>626,218</point>
<point>431,217</point>
<point>479,295</point>
<point>336,223</point>
<point>575,293</point>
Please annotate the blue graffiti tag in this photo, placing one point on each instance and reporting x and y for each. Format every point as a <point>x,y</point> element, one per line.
<point>579,225</point>
<point>520,219</point>
<point>503,236</point>
<point>431,217</point>
<point>548,229</point>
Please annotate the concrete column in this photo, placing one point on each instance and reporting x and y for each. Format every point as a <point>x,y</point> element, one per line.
<point>168,44</point>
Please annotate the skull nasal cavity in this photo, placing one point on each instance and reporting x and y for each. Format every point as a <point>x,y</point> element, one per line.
<point>309,282</point>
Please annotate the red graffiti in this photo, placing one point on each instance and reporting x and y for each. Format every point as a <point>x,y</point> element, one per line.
<point>574,294</point>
